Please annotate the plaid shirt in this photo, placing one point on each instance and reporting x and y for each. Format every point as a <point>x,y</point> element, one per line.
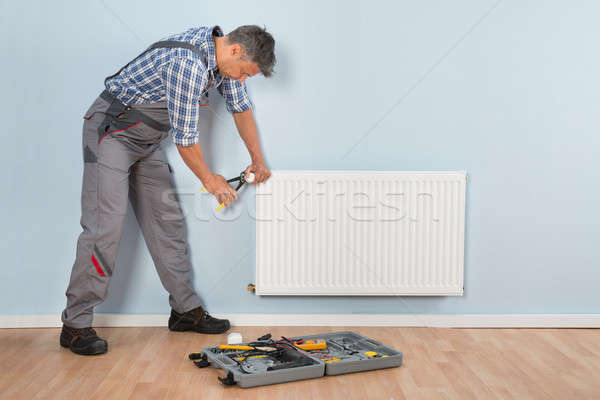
<point>182,78</point>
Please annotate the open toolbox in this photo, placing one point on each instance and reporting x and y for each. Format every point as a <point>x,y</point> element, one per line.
<point>267,361</point>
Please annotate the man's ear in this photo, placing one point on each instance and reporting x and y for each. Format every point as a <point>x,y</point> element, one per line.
<point>236,50</point>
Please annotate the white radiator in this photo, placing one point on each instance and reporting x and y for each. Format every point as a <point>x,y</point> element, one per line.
<point>360,233</point>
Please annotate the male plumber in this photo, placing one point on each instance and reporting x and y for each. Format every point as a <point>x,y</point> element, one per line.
<point>156,94</point>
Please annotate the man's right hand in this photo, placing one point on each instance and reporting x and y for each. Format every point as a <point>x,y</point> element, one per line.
<point>220,188</point>
<point>213,183</point>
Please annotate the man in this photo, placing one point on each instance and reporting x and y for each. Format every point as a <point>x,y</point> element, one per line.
<point>157,94</point>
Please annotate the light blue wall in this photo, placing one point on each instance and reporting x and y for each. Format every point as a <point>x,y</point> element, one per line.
<point>511,93</point>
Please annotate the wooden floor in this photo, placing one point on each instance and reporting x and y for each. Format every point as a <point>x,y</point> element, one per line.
<point>152,363</point>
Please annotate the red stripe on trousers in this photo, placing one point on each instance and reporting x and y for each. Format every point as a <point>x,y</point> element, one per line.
<point>97,266</point>
<point>108,133</point>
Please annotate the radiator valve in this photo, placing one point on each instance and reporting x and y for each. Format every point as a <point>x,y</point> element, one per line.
<point>251,288</point>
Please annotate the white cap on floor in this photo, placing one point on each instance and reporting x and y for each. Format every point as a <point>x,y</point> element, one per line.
<point>234,338</point>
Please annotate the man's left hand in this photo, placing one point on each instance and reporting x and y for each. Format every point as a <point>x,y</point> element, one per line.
<point>260,170</point>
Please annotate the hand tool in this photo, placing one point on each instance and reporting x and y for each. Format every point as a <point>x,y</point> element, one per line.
<point>244,347</point>
<point>311,345</point>
<point>291,359</point>
<point>374,354</point>
<point>242,179</point>
<point>351,351</point>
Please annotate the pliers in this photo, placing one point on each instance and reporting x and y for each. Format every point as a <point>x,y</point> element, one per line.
<point>242,179</point>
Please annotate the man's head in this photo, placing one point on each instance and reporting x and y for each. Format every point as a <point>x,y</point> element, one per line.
<point>245,51</point>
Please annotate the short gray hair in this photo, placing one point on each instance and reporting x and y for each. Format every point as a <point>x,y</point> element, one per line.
<point>258,44</point>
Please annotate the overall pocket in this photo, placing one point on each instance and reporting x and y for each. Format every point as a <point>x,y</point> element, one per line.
<point>144,124</point>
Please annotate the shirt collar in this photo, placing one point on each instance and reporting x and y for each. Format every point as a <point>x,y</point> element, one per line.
<point>211,54</point>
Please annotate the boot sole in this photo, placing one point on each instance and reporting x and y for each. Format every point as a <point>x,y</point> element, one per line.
<point>185,328</point>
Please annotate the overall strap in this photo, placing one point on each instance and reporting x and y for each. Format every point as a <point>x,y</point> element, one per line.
<point>165,44</point>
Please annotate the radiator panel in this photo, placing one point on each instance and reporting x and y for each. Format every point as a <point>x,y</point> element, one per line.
<point>360,233</point>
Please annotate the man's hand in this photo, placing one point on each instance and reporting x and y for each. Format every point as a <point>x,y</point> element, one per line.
<point>213,183</point>
<point>220,188</point>
<point>260,170</point>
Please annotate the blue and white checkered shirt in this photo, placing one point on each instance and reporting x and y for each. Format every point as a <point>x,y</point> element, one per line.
<point>182,78</point>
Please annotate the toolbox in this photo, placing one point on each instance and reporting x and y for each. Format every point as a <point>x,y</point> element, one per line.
<point>267,361</point>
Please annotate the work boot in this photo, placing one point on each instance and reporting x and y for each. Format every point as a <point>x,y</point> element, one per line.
<point>82,341</point>
<point>197,320</point>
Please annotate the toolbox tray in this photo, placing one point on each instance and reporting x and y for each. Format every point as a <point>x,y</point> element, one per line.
<point>219,359</point>
<point>347,347</point>
<point>336,341</point>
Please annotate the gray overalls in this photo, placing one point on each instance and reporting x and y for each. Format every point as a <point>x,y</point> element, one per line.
<point>123,160</point>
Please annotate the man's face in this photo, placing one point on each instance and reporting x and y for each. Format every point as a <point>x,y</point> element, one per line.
<point>235,66</point>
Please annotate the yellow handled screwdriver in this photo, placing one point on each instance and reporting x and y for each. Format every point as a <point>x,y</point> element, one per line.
<point>245,347</point>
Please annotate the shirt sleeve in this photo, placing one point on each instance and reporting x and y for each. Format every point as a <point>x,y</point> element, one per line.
<point>235,95</point>
<point>184,81</point>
